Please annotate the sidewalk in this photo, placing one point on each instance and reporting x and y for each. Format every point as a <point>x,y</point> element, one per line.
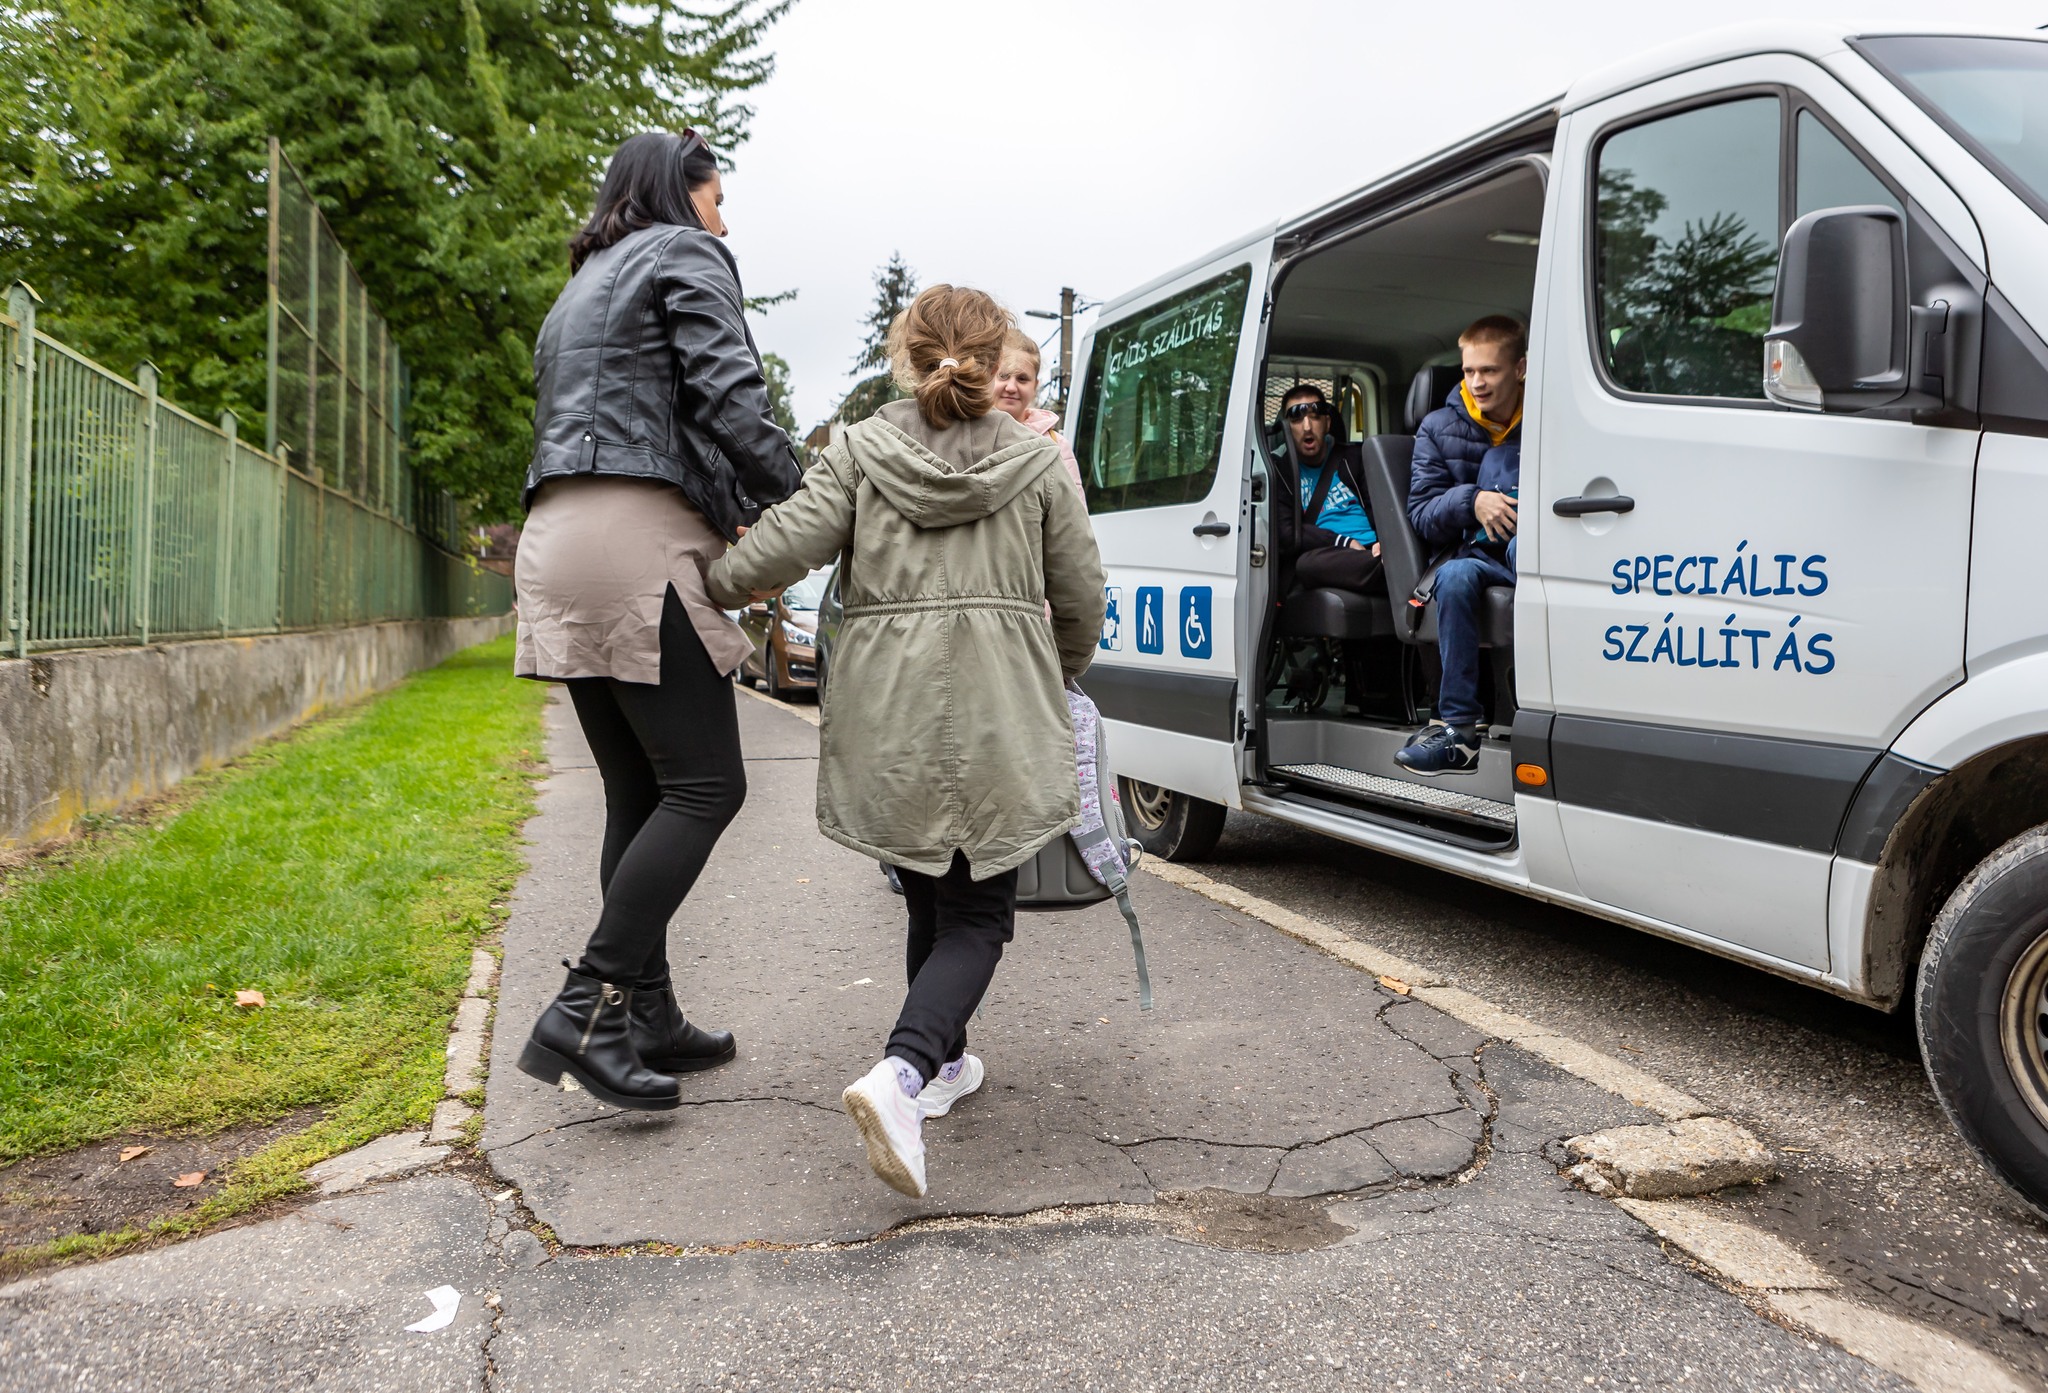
<point>1127,1204</point>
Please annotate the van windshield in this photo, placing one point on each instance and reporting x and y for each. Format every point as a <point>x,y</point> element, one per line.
<point>1990,94</point>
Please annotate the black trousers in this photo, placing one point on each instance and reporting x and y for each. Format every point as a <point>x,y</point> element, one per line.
<point>1337,568</point>
<point>673,780</point>
<point>958,927</point>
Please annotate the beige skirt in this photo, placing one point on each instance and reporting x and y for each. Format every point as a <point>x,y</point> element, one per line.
<point>596,559</point>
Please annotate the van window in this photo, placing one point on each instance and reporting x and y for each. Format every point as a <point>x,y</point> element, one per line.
<point>1687,248</point>
<point>1831,175</point>
<point>1150,430</point>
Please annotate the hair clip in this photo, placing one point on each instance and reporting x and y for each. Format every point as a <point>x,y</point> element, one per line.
<point>949,363</point>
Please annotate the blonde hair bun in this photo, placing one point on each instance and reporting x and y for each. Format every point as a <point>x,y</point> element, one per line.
<point>944,350</point>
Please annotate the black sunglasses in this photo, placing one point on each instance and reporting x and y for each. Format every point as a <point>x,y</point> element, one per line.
<point>1302,410</point>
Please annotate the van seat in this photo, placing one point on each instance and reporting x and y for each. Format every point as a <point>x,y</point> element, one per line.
<point>1387,459</point>
<point>1428,391</point>
<point>1335,614</point>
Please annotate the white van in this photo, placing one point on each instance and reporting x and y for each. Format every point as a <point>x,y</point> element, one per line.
<point>1774,679</point>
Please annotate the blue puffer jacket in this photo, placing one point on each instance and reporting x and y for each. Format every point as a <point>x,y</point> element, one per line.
<point>1444,474</point>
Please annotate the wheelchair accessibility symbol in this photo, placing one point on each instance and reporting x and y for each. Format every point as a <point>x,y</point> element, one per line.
<point>1151,619</point>
<point>1112,638</point>
<point>1196,637</point>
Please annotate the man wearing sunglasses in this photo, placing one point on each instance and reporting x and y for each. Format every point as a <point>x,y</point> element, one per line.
<point>1332,542</point>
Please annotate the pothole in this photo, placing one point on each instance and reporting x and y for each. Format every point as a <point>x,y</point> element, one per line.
<point>1250,1223</point>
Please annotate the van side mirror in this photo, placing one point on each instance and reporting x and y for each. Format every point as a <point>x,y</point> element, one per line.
<point>1838,339</point>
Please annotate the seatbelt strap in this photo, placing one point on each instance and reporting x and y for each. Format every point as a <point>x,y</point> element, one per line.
<point>1425,589</point>
<point>1322,493</point>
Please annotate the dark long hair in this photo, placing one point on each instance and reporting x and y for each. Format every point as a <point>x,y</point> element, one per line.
<point>649,181</point>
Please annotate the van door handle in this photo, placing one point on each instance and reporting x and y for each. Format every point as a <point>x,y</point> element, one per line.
<point>1580,505</point>
<point>1212,529</point>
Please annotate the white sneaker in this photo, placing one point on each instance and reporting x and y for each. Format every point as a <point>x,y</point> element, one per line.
<point>938,1096</point>
<point>889,1123</point>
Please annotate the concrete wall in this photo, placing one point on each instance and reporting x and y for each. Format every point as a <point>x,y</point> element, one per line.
<point>94,730</point>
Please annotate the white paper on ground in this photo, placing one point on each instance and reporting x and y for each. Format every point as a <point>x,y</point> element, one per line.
<point>445,1300</point>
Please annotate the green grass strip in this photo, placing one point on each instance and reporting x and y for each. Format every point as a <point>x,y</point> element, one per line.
<point>345,871</point>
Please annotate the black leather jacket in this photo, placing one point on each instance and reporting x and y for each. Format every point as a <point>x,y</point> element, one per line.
<point>645,368</point>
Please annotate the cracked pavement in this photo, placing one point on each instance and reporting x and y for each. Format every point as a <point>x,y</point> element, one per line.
<point>1284,1176</point>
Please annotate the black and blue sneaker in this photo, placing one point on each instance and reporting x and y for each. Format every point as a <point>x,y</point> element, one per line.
<point>1441,750</point>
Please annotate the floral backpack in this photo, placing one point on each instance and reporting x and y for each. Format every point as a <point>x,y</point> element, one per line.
<point>1093,862</point>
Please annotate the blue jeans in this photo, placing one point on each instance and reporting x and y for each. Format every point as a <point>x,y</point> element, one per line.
<point>1461,585</point>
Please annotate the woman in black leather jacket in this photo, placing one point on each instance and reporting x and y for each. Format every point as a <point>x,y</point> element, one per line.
<point>654,447</point>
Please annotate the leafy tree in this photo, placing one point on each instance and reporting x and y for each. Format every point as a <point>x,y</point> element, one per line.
<point>895,288</point>
<point>775,369</point>
<point>453,147</point>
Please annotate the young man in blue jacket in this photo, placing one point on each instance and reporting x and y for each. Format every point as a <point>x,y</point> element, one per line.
<point>1471,519</point>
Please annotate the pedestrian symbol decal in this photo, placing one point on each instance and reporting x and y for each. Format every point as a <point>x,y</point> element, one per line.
<point>1151,619</point>
<point>1195,634</point>
<point>1112,639</point>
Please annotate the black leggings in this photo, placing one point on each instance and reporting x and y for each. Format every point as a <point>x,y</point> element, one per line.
<point>958,927</point>
<point>673,779</point>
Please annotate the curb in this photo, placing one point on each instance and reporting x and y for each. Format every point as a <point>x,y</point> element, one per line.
<point>1776,1277</point>
<point>403,1153</point>
<point>807,714</point>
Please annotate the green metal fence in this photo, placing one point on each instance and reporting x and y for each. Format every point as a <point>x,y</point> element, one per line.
<point>125,520</point>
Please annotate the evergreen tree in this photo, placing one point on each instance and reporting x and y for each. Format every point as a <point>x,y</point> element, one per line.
<point>895,288</point>
<point>453,147</point>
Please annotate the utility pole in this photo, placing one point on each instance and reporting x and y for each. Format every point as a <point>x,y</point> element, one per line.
<point>1066,319</point>
<point>1066,345</point>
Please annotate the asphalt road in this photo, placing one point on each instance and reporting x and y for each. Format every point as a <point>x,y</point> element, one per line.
<point>1876,1186</point>
<point>1286,1176</point>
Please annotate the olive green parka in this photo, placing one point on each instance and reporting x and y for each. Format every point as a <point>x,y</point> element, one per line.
<point>972,591</point>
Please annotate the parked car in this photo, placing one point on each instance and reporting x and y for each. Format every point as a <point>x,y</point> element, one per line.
<point>784,633</point>
<point>831,610</point>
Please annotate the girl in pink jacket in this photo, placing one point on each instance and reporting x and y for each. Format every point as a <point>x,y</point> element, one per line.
<point>1017,388</point>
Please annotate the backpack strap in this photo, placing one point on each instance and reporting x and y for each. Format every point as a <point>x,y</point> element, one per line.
<point>1111,873</point>
<point>1123,902</point>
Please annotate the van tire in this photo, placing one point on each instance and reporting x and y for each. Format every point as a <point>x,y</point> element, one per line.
<point>1169,825</point>
<point>1983,1013</point>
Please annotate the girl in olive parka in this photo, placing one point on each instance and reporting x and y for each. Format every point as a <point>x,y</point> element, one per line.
<point>972,593</point>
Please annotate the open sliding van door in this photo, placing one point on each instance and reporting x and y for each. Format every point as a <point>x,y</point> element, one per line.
<point>1159,431</point>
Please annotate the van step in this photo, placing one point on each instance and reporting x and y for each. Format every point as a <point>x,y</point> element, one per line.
<point>1380,789</point>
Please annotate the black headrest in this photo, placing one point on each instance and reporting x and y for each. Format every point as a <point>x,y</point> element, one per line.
<point>1427,392</point>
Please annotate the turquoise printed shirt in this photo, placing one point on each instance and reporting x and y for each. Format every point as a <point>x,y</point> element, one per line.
<point>1343,511</point>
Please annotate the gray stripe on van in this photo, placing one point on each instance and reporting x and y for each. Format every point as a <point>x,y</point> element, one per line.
<point>1183,702</point>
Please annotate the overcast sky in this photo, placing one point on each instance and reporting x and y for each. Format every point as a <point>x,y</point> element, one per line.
<point>1023,146</point>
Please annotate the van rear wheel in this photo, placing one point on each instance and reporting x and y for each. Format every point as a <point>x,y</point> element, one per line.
<point>1983,1012</point>
<point>1169,825</point>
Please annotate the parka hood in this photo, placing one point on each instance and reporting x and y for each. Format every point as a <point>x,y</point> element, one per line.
<point>942,478</point>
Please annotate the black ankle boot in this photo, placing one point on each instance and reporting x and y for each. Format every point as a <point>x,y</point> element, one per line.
<point>670,1043</point>
<point>585,1033</point>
